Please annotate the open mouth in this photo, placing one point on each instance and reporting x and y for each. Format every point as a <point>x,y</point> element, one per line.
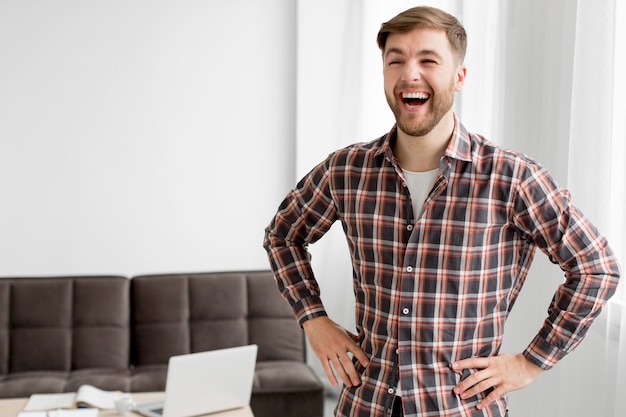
<point>415,99</point>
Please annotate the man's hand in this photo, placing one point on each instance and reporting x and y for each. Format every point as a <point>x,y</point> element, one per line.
<point>331,344</point>
<point>504,373</point>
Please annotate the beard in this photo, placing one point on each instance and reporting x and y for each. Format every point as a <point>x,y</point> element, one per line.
<point>419,125</point>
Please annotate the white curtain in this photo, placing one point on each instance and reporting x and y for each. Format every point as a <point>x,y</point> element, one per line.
<point>541,80</point>
<point>597,173</point>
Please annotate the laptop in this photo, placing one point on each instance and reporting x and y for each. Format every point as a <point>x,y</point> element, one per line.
<point>205,382</point>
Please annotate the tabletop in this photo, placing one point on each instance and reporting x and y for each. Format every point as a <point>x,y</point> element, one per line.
<point>11,407</point>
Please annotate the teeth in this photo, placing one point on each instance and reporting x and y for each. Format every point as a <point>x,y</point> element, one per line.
<point>420,95</point>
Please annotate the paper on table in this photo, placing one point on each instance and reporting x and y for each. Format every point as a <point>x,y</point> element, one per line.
<point>79,412</point>
<point>38,402</point>
<point>87,396</point>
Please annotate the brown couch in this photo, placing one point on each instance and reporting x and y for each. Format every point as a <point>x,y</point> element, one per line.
<point>116,333</point>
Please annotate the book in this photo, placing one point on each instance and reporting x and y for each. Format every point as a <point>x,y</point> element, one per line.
<point>86,396</point>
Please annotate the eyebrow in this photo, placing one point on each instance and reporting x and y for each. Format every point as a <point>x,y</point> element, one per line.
<point>423,52</point>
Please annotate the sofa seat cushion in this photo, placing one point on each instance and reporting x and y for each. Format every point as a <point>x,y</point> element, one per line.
<point>148,378</point>
<point>106,379</point>
<point>269,377</point>
<point>23,384</point>
<point>284,376</point>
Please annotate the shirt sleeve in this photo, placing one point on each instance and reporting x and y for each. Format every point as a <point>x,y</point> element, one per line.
<point>545,214</point>
<point>303,217</point>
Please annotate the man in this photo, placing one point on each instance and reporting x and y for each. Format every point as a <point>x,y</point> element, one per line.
<point>442,226</point>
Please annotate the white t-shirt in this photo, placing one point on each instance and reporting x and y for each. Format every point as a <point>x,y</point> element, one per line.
<point>420,184</point>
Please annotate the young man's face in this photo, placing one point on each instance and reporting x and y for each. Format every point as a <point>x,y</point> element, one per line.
<point>421,75</point>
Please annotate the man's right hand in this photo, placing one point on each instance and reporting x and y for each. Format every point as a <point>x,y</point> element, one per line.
<point>331,344</point>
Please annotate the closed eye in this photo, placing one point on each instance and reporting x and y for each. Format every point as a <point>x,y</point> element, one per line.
<point>394,60</point>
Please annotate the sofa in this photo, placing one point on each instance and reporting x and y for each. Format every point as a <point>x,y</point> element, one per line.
<point>117,333</point>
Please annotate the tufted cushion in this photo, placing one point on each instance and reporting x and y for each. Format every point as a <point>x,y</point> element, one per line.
<point>51,328</point>
<point>181,313</point>
<point>160,319</point>
<point>41,325</point>
<point>272,325</point>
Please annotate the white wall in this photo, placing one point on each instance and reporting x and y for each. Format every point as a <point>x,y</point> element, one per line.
<point>143,136</point>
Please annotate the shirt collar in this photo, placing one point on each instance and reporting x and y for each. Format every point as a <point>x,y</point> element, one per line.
<point>459,146</point>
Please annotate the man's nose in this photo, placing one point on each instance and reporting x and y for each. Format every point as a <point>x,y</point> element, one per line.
<point>412,72</point>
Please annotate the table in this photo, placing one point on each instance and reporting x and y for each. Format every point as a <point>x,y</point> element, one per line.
<point>12,406</point>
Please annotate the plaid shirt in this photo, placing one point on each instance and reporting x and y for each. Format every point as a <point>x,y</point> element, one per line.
<point>435,287</point>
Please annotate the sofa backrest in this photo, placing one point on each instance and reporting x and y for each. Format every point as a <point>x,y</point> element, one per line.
<point>175,314</point>
<point>64,323</point>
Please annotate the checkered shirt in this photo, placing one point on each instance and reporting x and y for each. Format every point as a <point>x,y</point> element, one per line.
<point>435,287</point>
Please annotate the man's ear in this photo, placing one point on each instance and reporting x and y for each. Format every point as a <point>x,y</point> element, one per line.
<point>461,72</point>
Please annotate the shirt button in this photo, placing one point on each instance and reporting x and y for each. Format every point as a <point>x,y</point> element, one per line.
<point>405,310</point>
<point>391,390</point>
<point>409,227</point>
<point>409,269</point>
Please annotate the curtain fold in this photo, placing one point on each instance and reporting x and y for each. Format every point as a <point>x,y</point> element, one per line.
<point>596,167</point>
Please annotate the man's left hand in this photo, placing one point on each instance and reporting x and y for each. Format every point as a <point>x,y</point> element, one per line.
<point>504,373</point>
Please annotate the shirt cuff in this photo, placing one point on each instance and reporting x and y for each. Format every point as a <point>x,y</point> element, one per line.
<point>543,354</point>
<point>309,308</point>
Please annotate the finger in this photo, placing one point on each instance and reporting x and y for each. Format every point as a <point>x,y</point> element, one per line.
<point>478,388</point>
<point>493,395</point>
<point>360,355</point>
<point>473,380</point>
<point>328,370</point>
<point>343,371</point>
<point>470,363</point>
<point>350,370</point>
